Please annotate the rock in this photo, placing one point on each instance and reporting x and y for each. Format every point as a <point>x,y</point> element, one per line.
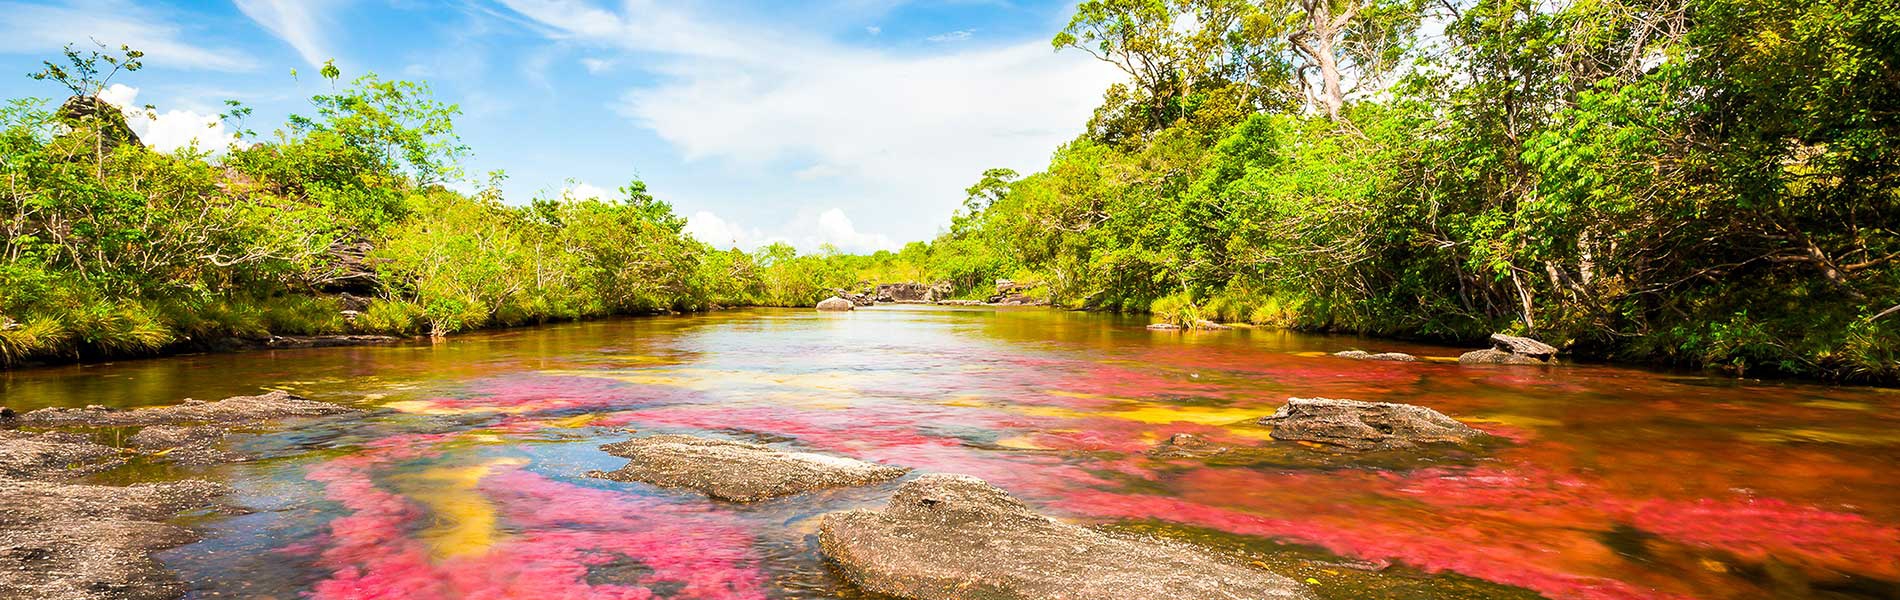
<point>7,414</point>
<point>1493,356</point>
<point>1523,346</point>
<point>1163,326</point>
<point>1206,325</point>
<point>287,342</point>
<point>233,410</point>
<point>912,293</point>
<point>737,471</point>
<point>1364,425</point>
<point>1364,355</point>
<point>26,455</point>
<point>1187,445</point>
<point>955,537</point>
<point>855,298</point>
<point>183,445</point>
<point>85,542</point>
<point>91,114</point>
<point>836,304</point>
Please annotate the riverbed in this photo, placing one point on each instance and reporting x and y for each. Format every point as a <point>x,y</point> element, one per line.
<point>467,478</point>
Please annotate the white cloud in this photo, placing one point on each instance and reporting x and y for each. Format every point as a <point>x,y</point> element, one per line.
<point>901,133</point>
<point>44,29</point>
<point>169,130</point>
<point>583,190</point>
<point>874,30</point>
<point>299,23</point>
<point>720,233</point>
<point>809,232</point>
<point>953,36</point>
<point>597,65</point>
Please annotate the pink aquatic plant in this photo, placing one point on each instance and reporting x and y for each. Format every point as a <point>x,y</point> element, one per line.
<point>560,533</point>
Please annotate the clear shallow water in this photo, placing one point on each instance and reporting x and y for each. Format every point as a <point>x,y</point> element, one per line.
<point>1613,483</point>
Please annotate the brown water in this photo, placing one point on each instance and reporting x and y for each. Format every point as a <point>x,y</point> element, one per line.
<point>1609,482</point>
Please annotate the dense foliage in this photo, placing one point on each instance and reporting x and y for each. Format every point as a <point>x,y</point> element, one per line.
<point>1704,182</point>
<point>338,222</point>
<point>1699,182</point>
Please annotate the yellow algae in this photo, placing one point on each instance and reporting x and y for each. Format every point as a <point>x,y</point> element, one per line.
<point>1820,436</point>
<point>1519,420</point>
<point>1161,414</point>
<point>574,421</point>
<point>1836,404</point>
<point>463,521</point>
<point>425,407</point>
<point>965,401</point>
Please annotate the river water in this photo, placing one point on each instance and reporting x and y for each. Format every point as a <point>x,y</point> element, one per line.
<point>468,480</point>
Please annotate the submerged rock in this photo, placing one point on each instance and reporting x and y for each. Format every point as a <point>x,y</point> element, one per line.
<point>1511,350</point>
<point>183,445</point>
<point>955,537</point>
<point>836,304</point>
<point>233,410</point>
<point>1163,327</point>
<point>1365,425</point>
<point>1187,445</point>
<point>84,542</point>
<point>25,455</point>
<point>1364,355</point>
<point>737,471</point>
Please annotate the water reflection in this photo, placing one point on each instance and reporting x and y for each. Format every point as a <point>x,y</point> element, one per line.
<point>1608,483</point>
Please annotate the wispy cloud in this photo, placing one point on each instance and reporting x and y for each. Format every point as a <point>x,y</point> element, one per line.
<point>904,132</point>
<point>953,36</point>
<point>874,30</point>
<point>299,23</point>
<point>45,28</point>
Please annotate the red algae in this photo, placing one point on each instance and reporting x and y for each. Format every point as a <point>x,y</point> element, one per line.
<point>561,535</point>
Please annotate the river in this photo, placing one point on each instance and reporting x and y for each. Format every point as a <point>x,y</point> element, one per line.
<point>469,482</point>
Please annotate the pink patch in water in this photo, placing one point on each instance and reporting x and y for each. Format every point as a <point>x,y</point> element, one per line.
<point>563,531</point>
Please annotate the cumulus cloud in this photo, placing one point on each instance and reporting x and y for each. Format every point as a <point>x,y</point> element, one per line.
<point>809,232</point>
<point>904,132</point>
<point>31,28</point>
<point>170,130</point>
<point>299,23</point>
<point>583,190</point>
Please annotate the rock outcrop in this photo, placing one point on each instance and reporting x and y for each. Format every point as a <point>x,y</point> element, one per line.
<point>1365,425</point>
<point>1511,350</point>
<point>89,115</point>
<point>955,537</point>
<point>1387,356</point>
<point>737,471</point>
<point>183,445</point>
<point>912,293</point>
<point>229,411</point>
<point>27,455</point>
<point>1014,293</point>
<point>836,304</point>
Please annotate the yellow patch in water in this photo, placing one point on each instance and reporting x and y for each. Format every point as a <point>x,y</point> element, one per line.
<point>463,522</point>
<point>1836,404</point>
<point>1820,436</point>
<point>965,401</point>
<point>1519,420</point>
<point>1238,421</point>
<point>575,421</point>
<point>425,407</point>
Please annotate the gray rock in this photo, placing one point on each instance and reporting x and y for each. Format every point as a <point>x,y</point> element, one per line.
<point>1523,346</point>
<point>1187,445</point>
<point>183,445</point>
<point>1163,326</point>
<point>233,410</point>
<point>1365,425</point>
<point>1493,356</point>
<point>94,542</point>
<point>955,537</point>
<point>26,455</point>
<point>836,304</point>
<point>737,471</point>
<point>1387,356</point>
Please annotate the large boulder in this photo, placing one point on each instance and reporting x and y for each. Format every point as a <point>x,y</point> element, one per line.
<point>231,411</point>
<point>836,304</point>
<point>1511,350</point>
<point>955,537</point>
<point>737,471</point>
<point>912,293</point>
<point>1365,425</point>
<point>89,116</point>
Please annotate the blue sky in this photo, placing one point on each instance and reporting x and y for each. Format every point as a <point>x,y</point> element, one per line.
<point>851,122</point>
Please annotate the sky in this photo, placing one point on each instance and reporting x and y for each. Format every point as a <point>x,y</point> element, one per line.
<point>855,123</point>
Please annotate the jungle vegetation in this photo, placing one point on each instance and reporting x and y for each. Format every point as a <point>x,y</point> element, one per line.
<point>1710,183</point>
